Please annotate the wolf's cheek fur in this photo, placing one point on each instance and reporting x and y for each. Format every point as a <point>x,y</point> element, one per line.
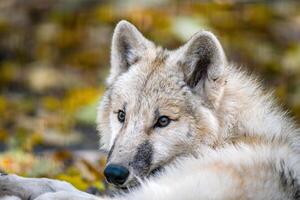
<point>103,121</point>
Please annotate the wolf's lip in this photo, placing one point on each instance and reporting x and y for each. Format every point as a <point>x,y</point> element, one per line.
<point>132,184</point>
<point>156,170</point>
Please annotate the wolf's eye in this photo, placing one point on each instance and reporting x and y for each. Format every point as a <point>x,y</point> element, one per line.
<point>162,121</point>
<point>121,116</point>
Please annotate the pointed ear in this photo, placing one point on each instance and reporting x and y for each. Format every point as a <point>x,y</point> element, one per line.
<point>203,63</point>
<point>128,45</point>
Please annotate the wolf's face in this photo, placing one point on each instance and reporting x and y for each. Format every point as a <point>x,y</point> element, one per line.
<point>159,104</point>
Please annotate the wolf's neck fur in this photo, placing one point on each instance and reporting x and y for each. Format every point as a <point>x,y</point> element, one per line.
<point>246,110</point>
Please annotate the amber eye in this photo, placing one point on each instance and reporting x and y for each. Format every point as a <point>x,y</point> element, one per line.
<point>121,116</point>
<point>162,121</point>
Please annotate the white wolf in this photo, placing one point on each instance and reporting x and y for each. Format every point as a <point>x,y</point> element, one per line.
<point>184,124</point>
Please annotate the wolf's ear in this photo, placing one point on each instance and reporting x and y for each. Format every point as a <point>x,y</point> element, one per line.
<point>203,62</point>
<point>128,45</point>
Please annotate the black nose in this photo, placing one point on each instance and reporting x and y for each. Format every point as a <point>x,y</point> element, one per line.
<point>116,174</point>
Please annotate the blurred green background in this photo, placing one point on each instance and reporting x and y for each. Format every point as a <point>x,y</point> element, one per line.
<point>54,57</point>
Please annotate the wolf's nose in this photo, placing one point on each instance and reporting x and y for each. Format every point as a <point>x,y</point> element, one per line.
<point>116,174</point>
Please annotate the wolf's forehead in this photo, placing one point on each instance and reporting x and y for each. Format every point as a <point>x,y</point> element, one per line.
<point>151,79</point>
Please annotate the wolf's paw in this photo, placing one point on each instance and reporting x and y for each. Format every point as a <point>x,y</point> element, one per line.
<point>65,195</point>
<point>9,198</point>
<point>30,188</point>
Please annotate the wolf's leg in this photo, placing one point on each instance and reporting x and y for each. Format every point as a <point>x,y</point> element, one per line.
<point>9,198</point>
<point>30,188</point>
<point>65,195</point>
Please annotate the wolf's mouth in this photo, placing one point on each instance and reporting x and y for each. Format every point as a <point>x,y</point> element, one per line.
<point>135,183</point>
<point>155,171</point>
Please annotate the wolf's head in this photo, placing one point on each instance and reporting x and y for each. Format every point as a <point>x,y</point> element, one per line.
<point>159,104</point>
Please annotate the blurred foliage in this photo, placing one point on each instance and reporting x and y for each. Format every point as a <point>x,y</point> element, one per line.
<point>54,56</point>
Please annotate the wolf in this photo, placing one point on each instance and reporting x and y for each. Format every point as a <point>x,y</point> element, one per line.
<point>184,124</point>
